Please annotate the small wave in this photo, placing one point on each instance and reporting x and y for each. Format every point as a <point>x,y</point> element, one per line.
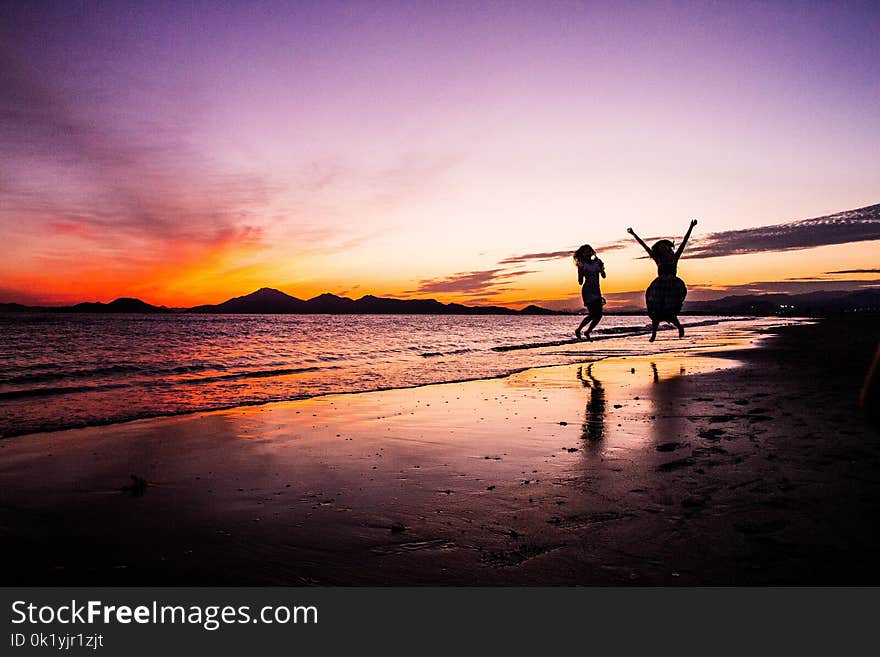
<point>259,374</point>
<point>62,390</point>
<point>33,366</point>
<point>454,352</point>
<point>606,334</point>
<point>183,369</point>
<point>45,377</point>
<point>598,334</point>
<point>534,345</point>
<point>109,370</point>
<point>68,390</point>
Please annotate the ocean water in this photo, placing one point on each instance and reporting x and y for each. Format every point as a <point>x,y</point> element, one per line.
<point>61,371</point>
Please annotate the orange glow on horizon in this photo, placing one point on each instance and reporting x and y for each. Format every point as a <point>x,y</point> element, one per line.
<point>196,275</point>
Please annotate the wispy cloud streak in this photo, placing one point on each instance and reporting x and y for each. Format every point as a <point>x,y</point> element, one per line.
<point>468,283</point>
<point>536,257</point>
<point>100,181</point>
<point>547,256</point>
<point>860,225</point>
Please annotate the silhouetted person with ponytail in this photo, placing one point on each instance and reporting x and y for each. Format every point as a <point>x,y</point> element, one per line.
<point>589,269</point>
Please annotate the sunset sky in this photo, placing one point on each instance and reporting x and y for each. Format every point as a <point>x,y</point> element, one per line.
<point>185,153</point>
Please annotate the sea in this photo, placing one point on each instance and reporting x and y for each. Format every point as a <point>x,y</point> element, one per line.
<point>63,371</point>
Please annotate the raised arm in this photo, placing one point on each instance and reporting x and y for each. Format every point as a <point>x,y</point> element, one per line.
<point>684,241</point>
<point>639,240</point>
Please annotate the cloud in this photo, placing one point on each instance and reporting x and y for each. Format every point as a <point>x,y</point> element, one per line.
<point>557,255</point>
<point>537,257</point>
<point>781,287</point>
<point>70,169</point>
<point>862,224</point>
<point>469,283</point>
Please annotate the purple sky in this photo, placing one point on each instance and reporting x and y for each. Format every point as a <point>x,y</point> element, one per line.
<point>199,149</point>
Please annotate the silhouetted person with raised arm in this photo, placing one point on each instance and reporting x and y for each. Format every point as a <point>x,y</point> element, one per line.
<point>589,269</point>
<point>666,293</point>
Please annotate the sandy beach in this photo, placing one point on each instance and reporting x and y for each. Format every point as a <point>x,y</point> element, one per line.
<point>741,462</point>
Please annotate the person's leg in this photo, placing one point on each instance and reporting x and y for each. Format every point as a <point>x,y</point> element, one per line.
<point>674,321</point>
<point>580,328</point>
<point>595,316</point>
<point>654,324</point>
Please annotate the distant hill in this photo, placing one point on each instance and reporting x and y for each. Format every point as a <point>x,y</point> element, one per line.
<point>267,300</point>
<point>121,305</point>
<point>264,300</point>
<point>17,308</point>
<point>270,301</point>
<point>802,305</point>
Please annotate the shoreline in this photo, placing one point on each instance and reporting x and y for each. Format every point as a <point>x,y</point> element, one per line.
<point>689,471</point>
<point>614,333</point>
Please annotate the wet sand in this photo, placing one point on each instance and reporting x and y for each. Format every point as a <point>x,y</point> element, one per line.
<point>723,464</point>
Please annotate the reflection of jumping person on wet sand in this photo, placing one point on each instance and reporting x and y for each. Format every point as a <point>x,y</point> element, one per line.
<point>594,423</point>
<point>666,293</point>
<point>589,268</point>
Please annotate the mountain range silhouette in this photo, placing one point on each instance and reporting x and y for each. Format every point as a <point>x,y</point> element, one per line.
<point>274,302</point>
<point>271,301</point>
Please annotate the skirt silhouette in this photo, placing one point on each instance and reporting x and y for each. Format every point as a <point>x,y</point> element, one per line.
<point>665,297</point>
